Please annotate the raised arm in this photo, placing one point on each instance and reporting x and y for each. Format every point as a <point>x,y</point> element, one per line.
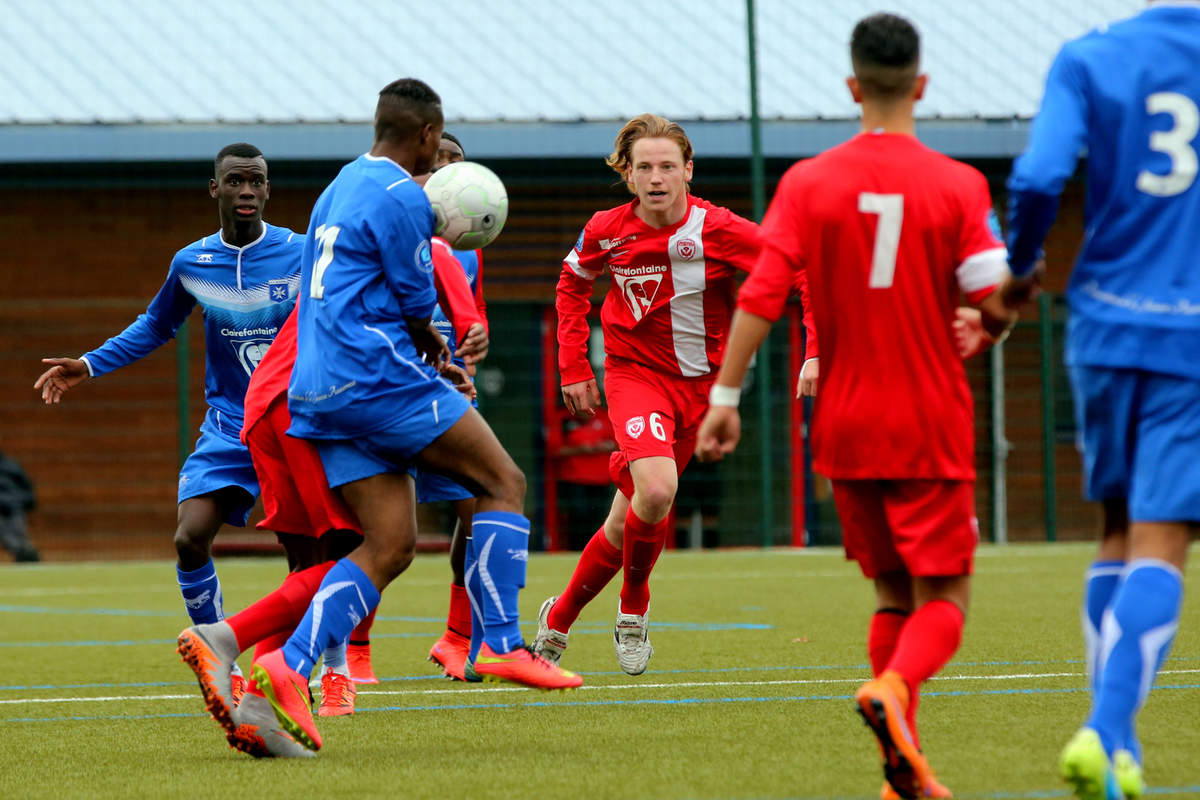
<point>573,302</point>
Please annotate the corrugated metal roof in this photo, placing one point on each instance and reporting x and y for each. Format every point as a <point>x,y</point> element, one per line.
<point>301,61</point>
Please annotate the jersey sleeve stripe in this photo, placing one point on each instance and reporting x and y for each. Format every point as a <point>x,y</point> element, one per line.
<point>982,270</point>
<point>572,262</point>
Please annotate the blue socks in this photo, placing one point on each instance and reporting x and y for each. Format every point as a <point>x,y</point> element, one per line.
<point>501,546</point>
<point>475,595</point>
<point>201,593</point>
<point>1135,637</point>
<point>334,659</point>
<point>345,597</point>
<point>1099,586</point>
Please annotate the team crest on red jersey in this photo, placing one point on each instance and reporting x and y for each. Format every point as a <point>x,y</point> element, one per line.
<point>634,427</point>
<point>686,248</point>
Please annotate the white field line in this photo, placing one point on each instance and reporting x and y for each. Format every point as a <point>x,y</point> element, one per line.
<point>601,688</point>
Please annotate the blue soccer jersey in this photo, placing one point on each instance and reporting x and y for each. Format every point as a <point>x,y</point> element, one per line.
<point>245,294</point>
<point>367,268</point>
<point>1130,94</point>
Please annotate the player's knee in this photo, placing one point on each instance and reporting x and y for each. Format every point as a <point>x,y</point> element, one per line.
<point>192,545</point>
<point>653,500</point>
<point>510,485</point>
<point>395,558</point>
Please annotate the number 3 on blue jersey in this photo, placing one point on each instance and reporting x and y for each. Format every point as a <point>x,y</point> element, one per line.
<point>325,238</point>
<point>1176,143</point>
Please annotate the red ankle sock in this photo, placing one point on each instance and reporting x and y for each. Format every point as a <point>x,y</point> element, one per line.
<point>929,639</point>
<point>643,543</point>
<point>882,636</point>
<point>598,563</point>
<point>362,634</point>
<point>281,610</point>
<point>459,618</point>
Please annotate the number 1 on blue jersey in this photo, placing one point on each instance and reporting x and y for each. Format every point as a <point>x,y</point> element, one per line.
<point>325,238</point>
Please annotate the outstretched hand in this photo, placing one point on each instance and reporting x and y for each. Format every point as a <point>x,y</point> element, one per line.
<point>62,375</point>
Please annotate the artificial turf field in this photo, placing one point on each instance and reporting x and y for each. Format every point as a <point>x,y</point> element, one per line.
<point>748,695</point>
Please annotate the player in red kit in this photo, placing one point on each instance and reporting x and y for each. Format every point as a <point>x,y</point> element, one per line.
<point>890,235</point>
<point>672,258</point>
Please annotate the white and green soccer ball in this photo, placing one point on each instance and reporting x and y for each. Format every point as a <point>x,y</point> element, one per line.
<point>469,203</point>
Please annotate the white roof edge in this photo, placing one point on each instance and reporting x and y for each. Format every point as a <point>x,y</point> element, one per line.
<point>32,144</point>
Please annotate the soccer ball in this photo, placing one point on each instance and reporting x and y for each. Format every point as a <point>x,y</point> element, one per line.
<point>469,203</point>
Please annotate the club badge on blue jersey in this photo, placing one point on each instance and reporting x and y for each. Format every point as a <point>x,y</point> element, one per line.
<point>278,290</point>
<point>423,257</point>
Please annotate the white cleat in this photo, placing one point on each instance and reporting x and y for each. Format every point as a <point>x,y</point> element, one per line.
<point>256,731</point>
<point>631,640</point>
<point>548,643</point>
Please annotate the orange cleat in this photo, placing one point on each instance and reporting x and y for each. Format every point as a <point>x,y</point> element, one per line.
<point>450,653</point>
<point>882,704</point>
<point>337,695</point>
<point>523,667</point>
<point>211,651</point>
<point>934,789</point>
<point>287,692</point>
<point>258,732</point>
<point>358,657</point>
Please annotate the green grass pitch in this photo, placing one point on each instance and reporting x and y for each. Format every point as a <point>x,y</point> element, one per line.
<point>757,654</point>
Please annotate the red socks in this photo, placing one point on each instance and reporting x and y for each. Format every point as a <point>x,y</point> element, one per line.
<point>281,610</point>
<point>882,637</point>
<point>362,634</point>
<point>643,543</point>
<point>459,618</point>
<point>598,563</point>
<point>929,639</point>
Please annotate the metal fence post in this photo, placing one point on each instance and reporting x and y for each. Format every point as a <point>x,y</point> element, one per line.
<point>1000,448</point>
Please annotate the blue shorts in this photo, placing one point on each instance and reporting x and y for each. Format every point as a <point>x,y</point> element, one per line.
<point>1140,436</point>
<point>432,488</point>
<point>219,461</point>
<point>390,450</point>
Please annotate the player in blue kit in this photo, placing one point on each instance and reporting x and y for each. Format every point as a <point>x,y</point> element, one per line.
<point>1130,94</point>
<point>245,278</point>
<point>365,389</point>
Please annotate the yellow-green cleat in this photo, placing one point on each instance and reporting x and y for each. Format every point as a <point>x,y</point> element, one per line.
<point>1085,766</point>
<point>1129,775</point>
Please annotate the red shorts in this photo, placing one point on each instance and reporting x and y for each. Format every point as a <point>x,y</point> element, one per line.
<point>923,527</point>
<point>652,415</point>
<point>296,496</point>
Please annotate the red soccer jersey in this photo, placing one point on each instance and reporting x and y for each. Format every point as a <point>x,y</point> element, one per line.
<point>889,234</point>
<point>271,376</point>
<point>672,289</point>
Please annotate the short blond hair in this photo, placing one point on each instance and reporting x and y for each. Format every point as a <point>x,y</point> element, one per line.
<point>646,126</point>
